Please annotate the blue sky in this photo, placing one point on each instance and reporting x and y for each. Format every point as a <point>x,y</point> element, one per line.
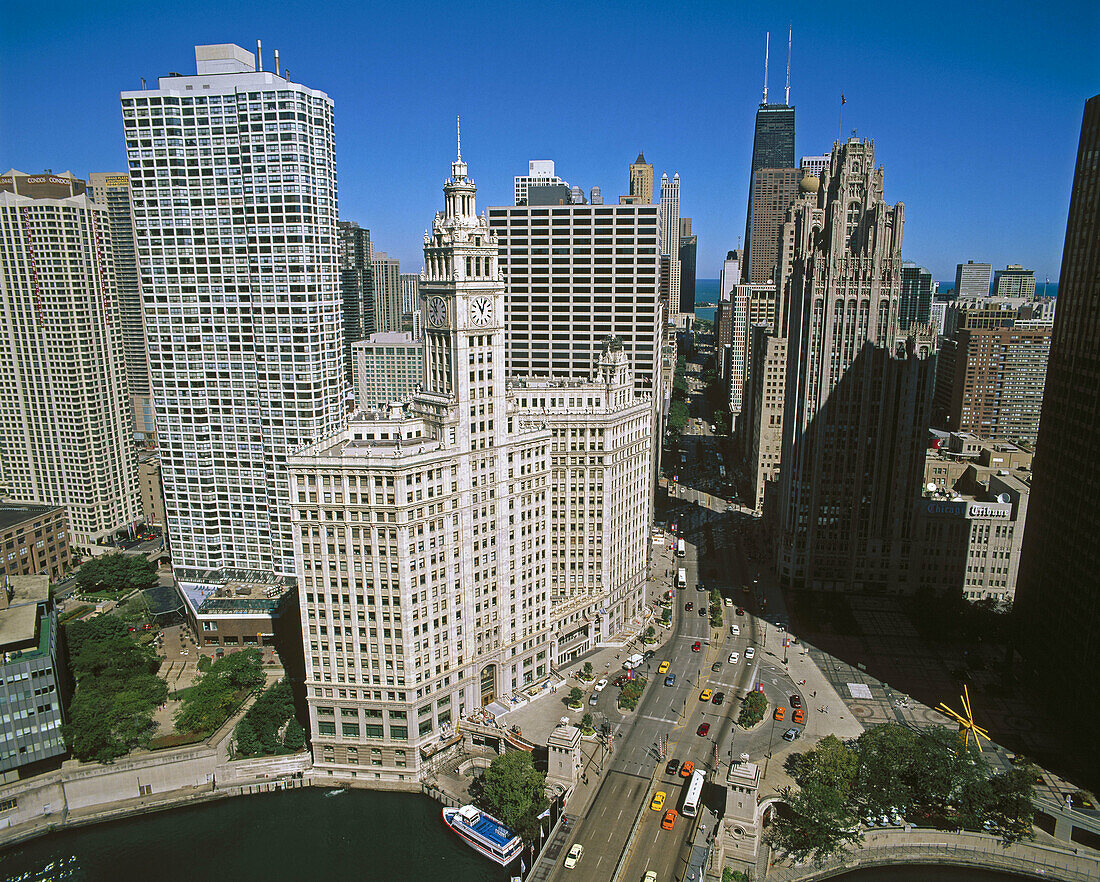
<point>975,108</point>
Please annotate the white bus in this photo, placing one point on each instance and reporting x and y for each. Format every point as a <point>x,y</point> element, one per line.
<point>694,794</point>
<point>681,578</point>
<point>681,548</point>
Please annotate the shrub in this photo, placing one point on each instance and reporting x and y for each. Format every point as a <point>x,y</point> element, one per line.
<point>753,709</point>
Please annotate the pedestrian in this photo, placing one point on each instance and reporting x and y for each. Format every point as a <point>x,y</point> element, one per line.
<point>815,693</point>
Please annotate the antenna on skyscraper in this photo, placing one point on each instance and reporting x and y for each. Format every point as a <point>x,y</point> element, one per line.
<point>458,126</point>
<point>787,93</point>
<point>767,39</point>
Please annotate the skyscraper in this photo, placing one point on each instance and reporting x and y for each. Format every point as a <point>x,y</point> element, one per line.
<point>65,425</point>
<point>540,172</point>
<point>1014,281</point>
<point>857,393</point>
<point>773,193</point>
<point>670,242</point>
<point>1058,590</point>
<point>386,287</point>
<point>356,288</point>
<point>641,181</point>
<point>814,165</point>
<point>236,239</point>
<point>113,192</point>
<point>972,279</point>
<point>689,245</point>
<point>917,289</point>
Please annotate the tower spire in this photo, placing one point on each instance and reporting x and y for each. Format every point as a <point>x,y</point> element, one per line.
<point>767,40</point>
<point>787,92</point>
<point>458,126</point>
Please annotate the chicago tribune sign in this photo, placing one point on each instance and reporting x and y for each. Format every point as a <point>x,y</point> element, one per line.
<point>968,508</point>
<point>994,510</point>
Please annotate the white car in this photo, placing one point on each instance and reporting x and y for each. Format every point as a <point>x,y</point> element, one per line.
<point>650,876</point>
<point>749,653</point>
<point>735,630</point>
<point>599,687</point>
<point>735,657</point>
<point>574,856</point>
<point>728,601</point>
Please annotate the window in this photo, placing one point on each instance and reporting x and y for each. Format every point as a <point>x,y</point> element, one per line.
<point>326,727</point>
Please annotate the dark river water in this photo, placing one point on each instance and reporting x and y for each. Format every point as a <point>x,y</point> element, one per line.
<point>308,834</point>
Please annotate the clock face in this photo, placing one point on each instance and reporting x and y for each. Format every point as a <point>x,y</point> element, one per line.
<point>437,312</point>
<point>481,310</point>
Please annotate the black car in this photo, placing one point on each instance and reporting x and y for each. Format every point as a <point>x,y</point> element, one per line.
<point>672,767</point>
<point>716,667</point>
<point>700,586</point>
<point>702,610</point>
<point>719,697</point>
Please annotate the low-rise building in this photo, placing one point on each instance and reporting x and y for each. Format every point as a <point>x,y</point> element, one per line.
<point>30,675</point>
<point>230,607</point>
<point>34,540</point>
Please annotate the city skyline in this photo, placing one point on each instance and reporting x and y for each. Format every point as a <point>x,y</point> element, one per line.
<point>975,97</point>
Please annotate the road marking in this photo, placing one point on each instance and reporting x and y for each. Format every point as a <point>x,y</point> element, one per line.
<point>660,719</point>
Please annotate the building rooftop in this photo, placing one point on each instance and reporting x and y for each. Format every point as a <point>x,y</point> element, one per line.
<point>25,591</point>
<point>13,513</point>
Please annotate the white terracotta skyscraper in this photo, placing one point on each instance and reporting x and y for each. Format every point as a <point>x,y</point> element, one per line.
<point>233,178</point>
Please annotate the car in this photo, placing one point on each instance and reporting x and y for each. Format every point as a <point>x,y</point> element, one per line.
<point>796,702</point>
<point>686,769</point>
<point>791,734</point>
<point>670,680</point>
<point>750,653</point>
<point>650,876</point>
<point>620,681</point>
<point>647,655</point>
<point>719,697</point>
<point>703,729</point>
<point>658,801</point>
<point>716,667</point>
<point>799,716</point>
<point>702,610</point>
<point>689,606</point>
<point>729,508</point>
<point>663,668</point>
<point>672,766</point>
<point>740,611</point>
<point>706,694</point>
<point>696,646</point>
<point>735,631</point>
<point>669,819</point>
<point>601,685</point>
<point>780,713</point>
<point>699,586</point>
<point>574,856</point>
<point>735,657</point>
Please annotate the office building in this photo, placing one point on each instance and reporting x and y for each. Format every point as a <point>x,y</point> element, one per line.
<point>1058,592</point>
<point>917,291</point>
<point>540,172</point>
<point>113,192</point>
<point>471,540</point>
<point>1014,281</point>
<point>772,148</point>
<point>66,426</point>
<point>814,165</point>
<point>152,490</point>
<point>595,196</point>
<point>31,675</point>
<point>670,245</point>
<point>857,392</point>
<point>34,540</point>
<point>389,367</point>
<point>237,248</point>
<point>773,193</point>
<point>752,305</point>
<point>972,279</point>
<point>689,247</point>
<point>994,388</point>
<point>386,287</point>
<point>761,421</point>
<point>409,284</point>
<point>601,282</point>
<point>641,182</point>
<point>356,287</point>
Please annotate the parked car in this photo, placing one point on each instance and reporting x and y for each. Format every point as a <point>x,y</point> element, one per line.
<point>799,716</point>
<point>780,713</point>
<point>791,734</point>
<point>796,702</point>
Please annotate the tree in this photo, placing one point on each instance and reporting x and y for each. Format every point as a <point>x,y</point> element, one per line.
<point>886,754</point>
<point>753,708</point>
<point>295,737</point>
<point>831,763</point>
<point>817,823</point>
<point>242,670</point>
<point>121,573</point>
<point>586,671</point>
<point>513,791</point>
<point>650,633</point>
<point>1012,811</point>
<point>586,721</point>
<point>247,742</point>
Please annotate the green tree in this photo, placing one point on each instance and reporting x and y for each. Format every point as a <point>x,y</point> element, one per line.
<point>294,738</point>
<point>650,633</point>
<point>831,763</point>
<point>817,824</point>
<point>586,721</point>
<point>513,791</point>
<point>247,742</point>
<point>586,671</point>
<point>753,708</point>
<point>204,664</point>
<point>575,697</point>
<point>678,415</point>
<point>242,670</point>
<point>886,755</point>
<point>121,573</point>
<point>1012,810</point>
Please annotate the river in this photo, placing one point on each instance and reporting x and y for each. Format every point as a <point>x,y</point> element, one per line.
<point>299,836</point>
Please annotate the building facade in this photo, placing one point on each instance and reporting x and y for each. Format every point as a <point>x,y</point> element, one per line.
<point>113,192</point>
<point>689,247</point>
<point>772,147</point>
<point>670,245</point>
<point>540,172</point>
<point>752,305</point>
<point>917,291</point>
<point>238,256</point>
<point>152,490</point>
<point>353,254</point>
<point>34,540</point>
<point>31,675</point>
<point>773,193</point>
<point>857,393</point>
<point>577,275</point>
<point>1059,593</point>
<point>66,427</point>
<point>386,288</point>
<point>641,181</point>
<point>1014,281</point>
<point>388,368</point>
<point>450,552</point>
<point>972,279</point>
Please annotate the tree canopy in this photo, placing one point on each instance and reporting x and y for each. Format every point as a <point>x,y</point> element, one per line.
<point>513,791</point>
<point>120,573</point>
<point>216,692</point>
<point>258,730</point>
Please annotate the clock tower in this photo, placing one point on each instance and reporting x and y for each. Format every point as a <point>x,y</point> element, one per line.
<point>463,304</point>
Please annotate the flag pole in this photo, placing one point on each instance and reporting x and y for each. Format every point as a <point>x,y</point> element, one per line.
<point>840,117</point>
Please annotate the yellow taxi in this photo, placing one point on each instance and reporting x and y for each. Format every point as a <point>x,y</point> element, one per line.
<point>706,694</point>
<point>663,669</point>
<point>658,801</point>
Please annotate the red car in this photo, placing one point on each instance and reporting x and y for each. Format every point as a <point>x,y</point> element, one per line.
<point>689,606</point>
<point>740,611</point>
<point>703,729</point>
<point>796,702</point>
<point>696,646</point>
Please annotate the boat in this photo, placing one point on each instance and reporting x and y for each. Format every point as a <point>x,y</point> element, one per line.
<point>484,833</point>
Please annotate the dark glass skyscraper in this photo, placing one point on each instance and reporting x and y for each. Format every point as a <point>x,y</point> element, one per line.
<point>1058,589</point>
<point>356,287</point>
<point>772,147</point>
<point>916,296</point>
